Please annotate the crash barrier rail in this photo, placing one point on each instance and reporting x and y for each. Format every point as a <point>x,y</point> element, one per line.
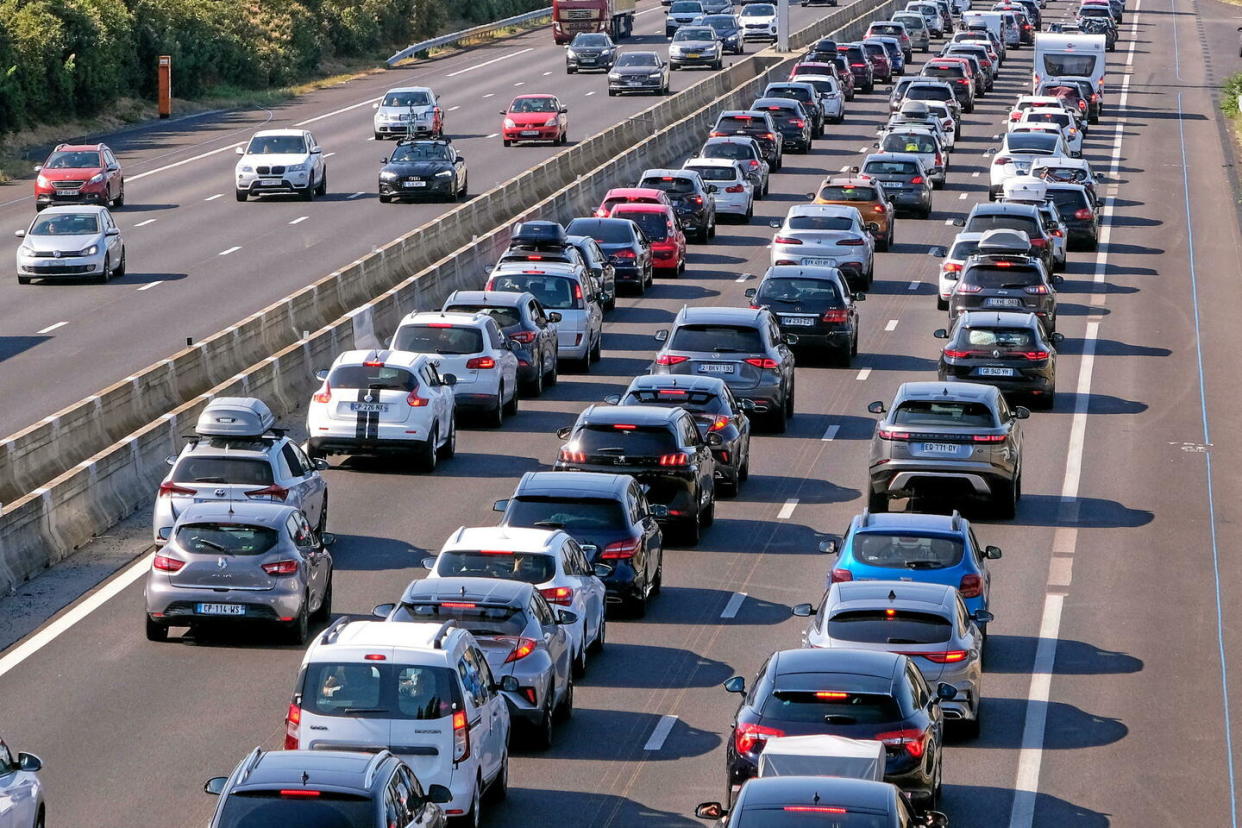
<point>466,35</point>
<point>359,307</point>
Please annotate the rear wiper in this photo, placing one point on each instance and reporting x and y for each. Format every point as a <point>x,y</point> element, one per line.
<point>208,480</point>
<point>902,641</point>
<point>610,450</point>
<point>723,350</point>
<point>350,710</point>
<point>924,565</point>
<point>836,718</point>
<point>1013,286</point>
<point>550,524</point>
<point>212,544</point>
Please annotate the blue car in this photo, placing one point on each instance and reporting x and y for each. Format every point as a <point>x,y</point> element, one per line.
<point>934,549</point>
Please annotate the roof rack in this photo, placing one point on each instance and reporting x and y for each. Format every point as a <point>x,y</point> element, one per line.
<point>865,519</point>
<point>445,629</point>
<point>331,634</point>
<point>249,763</point>
<point>956,521</point>
<point>443,140</point>
<point>380,757</point>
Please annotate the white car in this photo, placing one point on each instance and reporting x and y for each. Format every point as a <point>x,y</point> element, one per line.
<point>281,161</point>
<point>758,21</point>
<point>21,792</point>
<point>735,192</point>
<point>408,111</point>
<point>422,690</point>
<point>1026,102</point>
<point>563,288</point>
<point>71,242</point>
<point>472,348</point>
<point>1017,152</point>
<point>383,402</point>
<point>550,559</point>
<point>831,96</point>
<point>954,258</point>
<point>1064,122</point>
<point>948,122</point>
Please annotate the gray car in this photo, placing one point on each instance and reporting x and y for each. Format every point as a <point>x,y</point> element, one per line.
<point>923,141</point>
<point>240,563</point>
<point>71,242</point>
<point>916,26</point>
<point>520,634</point>
<point>928,623</point>
<point>954,440</point>
<point>695,46</point>
<point>747,152</point>
<point>905,180</point>
<point>681,13</point>
<point>827,235</point>
<point>639,72</point>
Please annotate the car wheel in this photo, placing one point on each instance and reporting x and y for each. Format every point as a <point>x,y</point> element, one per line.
<point>541,732</point>
<point>844,356</point>
<point>657,583</point>
<point>23,280</point>
<point>473,817</point>
<point>156,631</point>
<point>465,187</point>
<point>637,606</point>
<point>322,189</point>
<point>120,269</point>
<point>601,636</point>
<point>298,630</point>
<point>425,454</point>
<point>307,193</point>
<point>324,614</point>
<point>535,387</point>
<point>565,710</point>
<point>728,488</point>
<point>877,502</point>
<point>1005,500</point>
<point>789,402</point>
<point>511,407</point>
<point>969,728</point>
<point>379,136</point>
<point>119,201</point>
<point>597,351</point>
<point>496,417</point>
<point>449,449</point>
<point>579,662</point>
<point>498,791</point>
<point>321,525</point>
<point>569,71</point>
<point>712,230</point>
<point>383,199</point>
<point>551,377</point>
<point>942,304</point>
<point>107,270</point>
<point>692,529</point>
<point>778,422</point>
<point>709,514</point>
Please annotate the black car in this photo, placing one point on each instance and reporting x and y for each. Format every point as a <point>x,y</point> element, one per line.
<point>421,168</point>
<point>727,30</point>
<point>639,72</point>
<point>715,411</point>
<point>1005,281</point>
<point>758,125</point>
<point>1079,213</point>
<point>858,694</point>
<point>627,247</point>
<point>805,94</point>
<point>792,121</point>
<point>827,801</point>
<point>1005,349</point>
<point>601,269</point>
<point>691,198</point>
<point>860,66</point>
<point>590,51</point>
<point>528,327</point>
<point>609,516</point>
<point>661,448</point>
<point>813,303</point>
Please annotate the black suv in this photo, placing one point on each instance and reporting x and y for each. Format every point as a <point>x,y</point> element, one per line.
<point>662,449</point>
<point>325,787</point>
<point>813,303</point>
<point>1012,215</point>
<point>693,200</point>
<point>860,66</point>
<point>792,121</point>
<point>805,94</point>
<point>626,245</point>
<point>1008,350</point>
<point>1005,282</point>
<point>758,125</point>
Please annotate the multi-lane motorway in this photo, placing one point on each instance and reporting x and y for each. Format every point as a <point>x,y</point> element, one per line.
<point>1116,644</point>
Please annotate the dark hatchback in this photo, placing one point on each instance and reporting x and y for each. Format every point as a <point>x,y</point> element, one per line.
<point>757,125</point>
<point>805,94</point>
<point>660,447</point>
<point>860,66</point>
<point>609,516</point>
<point>626,245</point>
<point>691,200</point>
<point>1005,282</point>
<point>1078,211</point>
<point>819,802</point>
<point>590,50</point>
<point>1024,218</point>
<point>858,694</point>
<point>1005,349</point>
<point>813,303</point>
<point>792,121</point>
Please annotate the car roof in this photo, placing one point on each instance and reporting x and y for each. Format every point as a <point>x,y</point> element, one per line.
<point>841,210</point>
<point>403,359</point>
<point>650,192</point>
<point>997,208</point>
<point>509,538</point>
<point>73,209</point>
<point>316,769</point>
<point>426,89</point>
<point>947,390</point>
<point>907,595</point>
<point>499,298</point>
<point>271,515</point>
<point>637,414</point>
<point>80,148</point>
<point>455,318</point>
<point>571,483</point>
<point>729,316</point>
<point>264,133</point>
<point>828,274</point>
<point>713,385</point>
<point>908,522</point>
<point>531,95</point>
<point>713,162</point>
<point>480,590</point>
<point>360,635</point>
<point>666,173</point>
<point>640,207</point>
<point>861,662</point>
<point>564,270</point>
<point>767,791</point>
<point>893,156</point>
<point>998,319</point>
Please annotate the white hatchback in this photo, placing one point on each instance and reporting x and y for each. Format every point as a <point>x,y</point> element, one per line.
<point>550,559</point>
<point>21,792</point>
<point>734,193</point>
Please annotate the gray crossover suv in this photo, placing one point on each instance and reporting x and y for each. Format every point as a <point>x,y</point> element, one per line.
<point>947,439</point>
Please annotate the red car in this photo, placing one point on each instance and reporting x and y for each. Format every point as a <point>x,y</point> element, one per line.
<point>80,174</point>
<point>535,118</point>
<point>659,224</point>
<point>630,195</point>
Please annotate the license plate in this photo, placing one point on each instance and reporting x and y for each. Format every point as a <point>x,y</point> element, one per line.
<point>530,132</point>
<point>820,262</point>
<point>713,368</point>
<point>414,184</point>
<point>635,82</point>
<point>269,183</point>
<point>797,320</point>
<point>381,408</point>
<point>68,192</point>
<point>938,448</point>
<point>1023,168</point>
<point>1002,303</point>
<point>693,54</point>
<point>997,372</point>
<point>221,609</point>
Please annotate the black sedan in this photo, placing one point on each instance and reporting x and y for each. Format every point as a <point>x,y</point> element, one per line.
<point>639,72</point>
<point>530,329</point>
<point>627,247</point>
<point>813,303</point>
<point>422,168</point>
<point>1008,350</point>
<point>590,50</point>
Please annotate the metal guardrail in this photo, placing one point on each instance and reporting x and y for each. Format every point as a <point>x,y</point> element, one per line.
<point>456,37</point>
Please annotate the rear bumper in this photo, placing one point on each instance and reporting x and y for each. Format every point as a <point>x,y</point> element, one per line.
<point>340,444</point>
<point>902,477</point>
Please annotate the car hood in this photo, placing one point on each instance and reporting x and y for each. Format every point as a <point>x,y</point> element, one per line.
<point>758,18</point>
<point>63,243</point>
<point>71,173</point>
<point>416,167</point>
<point>404,110</point>
<point>275,159</point>
<point>695,45</point>
<point>530,118</point>
<point>636,70</point>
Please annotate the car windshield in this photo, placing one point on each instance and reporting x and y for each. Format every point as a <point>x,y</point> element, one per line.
<point>1069,201</point>
<point>370,690</point>
<point>655,225</point>
<point>847,192</point>
<point>603,231</point>
<point>65,224</point>
<point>590,41</point>
<point>573,514</point>
<point>238,471</point>
<point>510,566</point>
<point>276,145</point>
<point>406,99</point>
<point>541,104</point>
<point>504,316</point>
<point>436,339</point>
<point>422,151</point>
<point>905,551</point>
<point>813,294</point>
<point>987,276</point>
<point>819,223</point>
<point>759,10</point>
<point>716,173</point>
<point>73,160</point>
<point>695,33</point>
<point>638,59</point>
<point>625,440</point>
<point>889,627</point>
<point>277,809</point>
<point>1002,221</point>
<point>728,149</point>
<point>891,168</point>
<point>943,414</point>
<point>554,292</point>
<point>721,23</point>
<point>741,339</point>
<point>225,538</point>
<point>686,7</point>
<point>675,184</point>
<point>1006,339</point>
<point>375,377</point>
<point>770,816</point>
<point>908,142</point>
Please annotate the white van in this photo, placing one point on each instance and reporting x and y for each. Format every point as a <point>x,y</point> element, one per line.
<point>1061,55</point>
<point>994,22</point>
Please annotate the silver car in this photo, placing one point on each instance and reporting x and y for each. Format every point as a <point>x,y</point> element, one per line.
<point>240,562</point>
<point>929,623</point>
<point>566,289</point>
<point>21,791</point>
<point>827,235</point>
<point>71,242</point>
<point>746,150</point>
<point>695,46</point>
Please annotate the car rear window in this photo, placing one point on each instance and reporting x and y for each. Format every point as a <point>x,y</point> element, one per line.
<point>553,292</point>
<point>883,29</point>
<point>1002,221</point>
<point>272,809</point>
<point>380,378</point>
<point>716,173</point>
<point>718,338</point>
<point>944,72</point>
<point>530,567</point>
<point>1028,141</point>
<point>797,93</point>
<point>1010,339</point>
<point>504,316</point>
<point>905,551</point>
<point>668,183</point>
<point>1069,201</point>
<point>810,294</point>
<point>819,223</point>
<point>876,49</point>
<point>963,249</point>
<point>225,470</point>
<point>906,142</point>
<point>432,339</point>
<point>602,230</point>
<point>808,698</point>
<point>479,619</point>
<point>942,414</point>
<point>225,538</point>
<point>740,123</point>
<point>573,514</point>
<point>841,192</point>
<point>699,402</point>
<point>891,168</point>
<point>929,93</point>
<point>730,150</point>
<point>609,203</point>
<point>655,225</point>
<point>625,439</point>
<point>1057,65</point>
<point>378,691</point>
<point>889,627</point>
<point>996,277</point>
<point>854,53</point>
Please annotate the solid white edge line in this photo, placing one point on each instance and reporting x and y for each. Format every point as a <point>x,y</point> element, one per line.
<point>488,62</point>
<point>830,434</point>
<point>662,729</point>
<point>735,603</point>
<point>214,197</point>
<point>299,219</point>
<point>1031,756</point>
<point>787,510</point>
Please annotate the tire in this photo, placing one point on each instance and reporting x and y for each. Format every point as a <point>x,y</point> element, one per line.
<point>378,136</point>
<point>298,630</point>
<point>709,514</point>
<point>942,304</point>
<point>601,636</point>
<point>322,189</point>
<point>107,271</point>
<point>473,817</point>
<point>120,269</point>
<point>383,199</point>
<point>551,377</point>
<point>579,663</point>
<point>612,93</point>
<point>692,530</point>
<point>156,631</point>
<point>565,710</point>
<point>728,488</point>
<point>637,607</point>
<point>569,71</point>
<point>596,352</point>
<point>790,400</point>
<point>541,732</point>
<point>1005,501</point>
<point>877,502</point>
<point>324,614</point>
<point>449,450</point>
<point>241,195</point>
<point>321,525</point>
<point>119,201</point>
<point>496,417</point>
<point>535,387</point>
<point>506,142</point>
<point>307,193</point>
<point>425,455</point>
<point>778,420</point>
<point>498,791</point>
<point>511,407</point>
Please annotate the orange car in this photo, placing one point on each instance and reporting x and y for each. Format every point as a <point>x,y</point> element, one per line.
<point>867,194</point>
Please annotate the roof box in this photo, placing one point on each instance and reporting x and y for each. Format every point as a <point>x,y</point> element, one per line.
<point>537,233</point>
<point>1004,241</point>
<point>1025,188</point>
<point>235,417</point>
<point>914,109</point>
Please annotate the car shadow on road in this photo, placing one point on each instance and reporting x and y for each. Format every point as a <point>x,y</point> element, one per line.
<point>1016,653</point>
<point>11,346</point>
<point>524,806</point>
<point>671,290</point>
<point>635,666</point>
<point>895,362</point>
<point>595,734</point>
<point>1067,401</point>
<point>695,606</point>
<point>1085,513</point>
<point>848,427</point>
<point>1111,347</point>
<point>366,553</point>
<point>1068,727</point>
<point>978,806</point>
<point>767,488</point>
<point>768,537</point>
<point>139,207</point>
<point>132,278</point>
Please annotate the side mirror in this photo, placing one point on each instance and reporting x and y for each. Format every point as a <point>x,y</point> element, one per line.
<point>983,616</point>
<point>602,570</point>
<point>712,188</point>
<point>563,432</point>
<point>937,252</point>
<point>945,692</point>
<point>428,563</point>
<point>449,379</point>
<point>658,511</point>
<point>1021,412</point>
<point>750,293</point>
<point>321,375</point>
<point>803,610</point>
<point>934,819</point>
<point>613,399</point>
<point>21,234</point>
<point>710,810</point>
<point>316,150</point>
<point>876,407</point>
<point>873,227</point>
<point>775,224</point>
<point>790,339</point>
<point>170,459</point>
<point>461,157</point>
<point>500,505</point>
<point>564,110</point>
<point>1057,278</point>
<point>940,333</point>
<point>810,196</point>
<point>239,151</point>
<point>384,160</point>
<point>959,222</point>
<point>829,547</point>
<point>39,167</point>
<point>508,684</point>
<point>554,316</point>
<point>661,335</point>
<point>1057,338</point>
<point>992,553</point>
<point>715,440</point>
<point>502,112</point>
<point>440,794</point>
<point>860,297</point>
<point>112,231</point>
<point>736,684</point>
<point>29,762</point>
<point>327,539</point>
<point>375,106</point>
<point>383,610</point>
<point>876,144</point>
<point>747,405</point>
<point>215,785</point>
<point>566,617</point>
<point>319,464</point>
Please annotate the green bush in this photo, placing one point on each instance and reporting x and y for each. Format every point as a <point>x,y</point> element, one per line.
<point>1229,94</point>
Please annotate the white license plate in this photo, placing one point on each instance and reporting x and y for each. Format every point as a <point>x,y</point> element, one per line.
<point>713,368</point>
<point>938,448</point>
<point>820,262</point>
<point>527,132</point>
<point>68,192</point>
<point>381,408</point>
<point>798,320</point>
<point>269,183</point>
<point>997,372</point>
<point>1002,303</point>
<point>414,184</point>
<point>221,609</point>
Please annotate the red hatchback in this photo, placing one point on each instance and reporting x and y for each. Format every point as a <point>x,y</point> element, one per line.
<point>659,224</point>
<point>535,118</point>
<point>80,174</point>
<point>630,195</point>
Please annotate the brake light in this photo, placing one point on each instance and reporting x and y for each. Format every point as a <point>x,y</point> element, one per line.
<point>572,456</point>
<point>953,353</point>
<point>169,489</point>
<point>273,491</point>
<point>461,736</point>
<point>677,459</point>
<point>697,199</point>
<point>963,288</point>
<point>1001,159</point>
<point>918,179</point>
<point>736,188</point>
<point>716,134</point>
<point>879,208</point>
<point>988,438</point>
<point>786,240</point>
<point>1083,214</point>
<point>324,394</point>
<point>563,596</point>
<point>963,81</point>
<point>292,720</point>
<point>414,401</point>
<point>1036,290</point>
<point>670,359</point>
<point>814,809</point>
<point>840,575</point>
<point>835,695</point>
<point>892,434</point>
<point>1041,242</point>
<point>799,123</point>
<point>835,316</point>
<point>619,550</point>
<point>971,586</point>
<point>522,647</point>
<point>914,741</point>
<point>524,337</point>
<point>720,423</point>
<point>298,792</point>
<point>770,136</point>
<point>851,242</point>
<point>577,291</point>
<point>763,362</point>
<point>952,267</point>
<point>942,657</point>
<point>166,564</point>
<point>373,364</point>
<point>602,212</point>
<point>481,363</point>
<point>754,164</point>
<point>285,567</point>
<point>625,254</point>
<point>939,159</point>
<point>858,65</point>
<point>458,604</point>
<point>1034,355</point>
<point>750,738</point>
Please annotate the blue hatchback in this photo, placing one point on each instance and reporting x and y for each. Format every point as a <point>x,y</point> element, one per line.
<point>934,549</point>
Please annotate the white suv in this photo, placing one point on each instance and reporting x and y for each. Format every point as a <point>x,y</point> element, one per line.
<point>281,161</point>
<point>383,402</point>
<point>423,691</point>
<point>550,559</point>
<point>472,347</point>
<point>734,193</point>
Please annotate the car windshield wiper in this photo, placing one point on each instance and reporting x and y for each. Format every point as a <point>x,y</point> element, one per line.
<point>351,710</point>
<point>924,565</point>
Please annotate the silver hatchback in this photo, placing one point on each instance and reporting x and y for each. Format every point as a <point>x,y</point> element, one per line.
<point>244,562</point>
<point>71,242</point>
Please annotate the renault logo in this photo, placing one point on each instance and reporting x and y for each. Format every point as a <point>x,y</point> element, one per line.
<point>221,563</point>
<point>996,354</point>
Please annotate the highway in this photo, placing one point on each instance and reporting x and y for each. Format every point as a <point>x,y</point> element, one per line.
<point>1117,633</point>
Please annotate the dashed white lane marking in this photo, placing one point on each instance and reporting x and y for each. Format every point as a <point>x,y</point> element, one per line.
<point>862,149</point>
<point>649,11</point>
<point>830,434</point>
<point>949,222</point>
<point>144,223</point>
<point>493,135</point>
<point>974,174</point>
<point>355,195</point>
<point>961,197</point>
<point>891,326</point>
<point>487,63</point>
<point>662,728</point>
<point>454,108</point>
<point>299,219</point>
<point>51,328</point>
<point>787,510</point>
<point>150,285</point>
<point>520,83</point>
<point>214,197</point>
<point>349,108</point>
<point>328,154</point>
<point>742,278</point>
<point>545,74</point>
<point>735,603</point>
<point>846,168</point>
<point>589,94</point>
<point>863,374</point>
<point>914,285</point>
<point>1060,572</point>
<point>490,95</point>
<point>230,250</point>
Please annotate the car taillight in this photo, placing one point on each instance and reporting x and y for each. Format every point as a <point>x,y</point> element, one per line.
<point>754,165</point>
<point>577,291</point>
<point>621,550</point>
<point>324,394</point>
<point>988,438</point>
<point>625,254</point>
<point>918,179</point>
<point>952,267</point>
<point>858,65</point>
<point>942,657</point>
<point>762,362</point>
<point>414,401</point>
<point>961,288</point>
<point>971,586</point>
<point>482,363</point>
<point>1001,159</point>
<point>1036,290</point>
<point>292,721</point>
<point>1034,355</point>
<point>879,208</point>
<point>939,159</point>
<point>697,199</point>
<point>670,359</point>
<point>1083,214</point>
<point>524,337</point>
<point>953,353</point>
<point>736,188</point>
<point>286,567</point>
<point>799,123</point>
<point>963,80</point>
<point>914,741</point>
<point>719,424</point>
<point>1040,242</point>
<point>716,134</point>
<point>273,491</point>
<point>558,595</point>
<point>601,213</point>
<point>851,242</point>
<point>572,456</point>
<point>676,459</point>
<point>835,316</point>
<point>461,736</point>
<point>839,575</point>
<point>522,647</point>
<point>892,434</point>
<point>750,738</point>
<point>786,240</point>
<point>166,564</point>
<point>770,136</point>
<point>169,489</point>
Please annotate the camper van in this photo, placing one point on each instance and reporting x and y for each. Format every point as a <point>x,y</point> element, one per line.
<point>1061,55</point>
